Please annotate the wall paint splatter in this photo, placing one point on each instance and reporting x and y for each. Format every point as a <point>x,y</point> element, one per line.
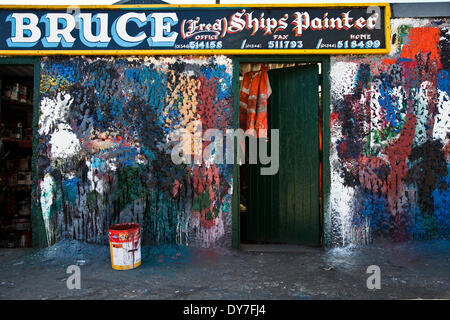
<point>390,139</point>
<point>105,136</point>
<point>107,125</point>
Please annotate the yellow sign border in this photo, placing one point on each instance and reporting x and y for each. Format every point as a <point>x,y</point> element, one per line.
<point>387,29</point>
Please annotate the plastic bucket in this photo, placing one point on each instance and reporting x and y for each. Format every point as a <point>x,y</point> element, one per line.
<point>125,245</point>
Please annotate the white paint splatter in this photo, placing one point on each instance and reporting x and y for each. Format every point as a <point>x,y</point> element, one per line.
<point>47,190</point>
<point>53,112</point>
<point>441,126</point>
<point>64,144</point>
<point>421,111</point>
<point>97,184</point>
<point>344,73</point>
<point>340,207</point>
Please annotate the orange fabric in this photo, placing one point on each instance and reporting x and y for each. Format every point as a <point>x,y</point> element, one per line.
<point>261,110</point>
<point>243,97</point>
<point>253,102</point>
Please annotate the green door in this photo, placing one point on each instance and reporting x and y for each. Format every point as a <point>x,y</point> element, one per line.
<point>284,208</point>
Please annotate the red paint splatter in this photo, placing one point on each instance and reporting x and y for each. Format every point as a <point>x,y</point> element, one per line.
<point>208,179</point>
<point>397,153</point>
<point>333,119</point>
<point>423,41</point>
<point>213,113</point>
<point>176,187</point>
<point>368,176</point>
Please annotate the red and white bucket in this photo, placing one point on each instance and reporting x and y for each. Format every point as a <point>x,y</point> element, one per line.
<point>125,245</point>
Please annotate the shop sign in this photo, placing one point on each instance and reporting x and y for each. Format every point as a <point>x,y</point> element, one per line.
<point>170,29</point>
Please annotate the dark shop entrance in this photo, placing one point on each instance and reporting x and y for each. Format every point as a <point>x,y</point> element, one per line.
<point>17,84</point>
<point>286,208</point>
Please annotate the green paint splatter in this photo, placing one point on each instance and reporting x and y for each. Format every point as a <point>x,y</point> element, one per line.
<point>403,31</point>
<point>129,185</point>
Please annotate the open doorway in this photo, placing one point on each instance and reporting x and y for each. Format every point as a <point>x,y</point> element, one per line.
<point>285,208</point>
<point>16,123</point>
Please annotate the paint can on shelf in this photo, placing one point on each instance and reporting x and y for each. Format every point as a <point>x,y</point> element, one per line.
<point>25,239</point>
<point>22,94</point>
<point>14,94</point>
<point>125,246</point>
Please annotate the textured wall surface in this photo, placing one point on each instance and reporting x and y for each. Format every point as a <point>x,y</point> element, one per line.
<point>106,128</point>
<point>105,134</point>
<point>390,139</point>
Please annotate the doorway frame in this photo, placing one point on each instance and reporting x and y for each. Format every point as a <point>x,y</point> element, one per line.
<point>324,155</point>
<point>37,222</point>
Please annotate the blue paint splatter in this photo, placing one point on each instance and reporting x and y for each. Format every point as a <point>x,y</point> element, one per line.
<point>70,189</point>
<point>443,81</point>
<point>442,208</point>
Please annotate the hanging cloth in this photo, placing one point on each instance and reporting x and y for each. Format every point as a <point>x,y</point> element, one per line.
<point>253,102</point>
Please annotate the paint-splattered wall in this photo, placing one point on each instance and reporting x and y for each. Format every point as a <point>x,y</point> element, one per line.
<point>106,125</point>
<point>390,139</point>
<point>105,135</point>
